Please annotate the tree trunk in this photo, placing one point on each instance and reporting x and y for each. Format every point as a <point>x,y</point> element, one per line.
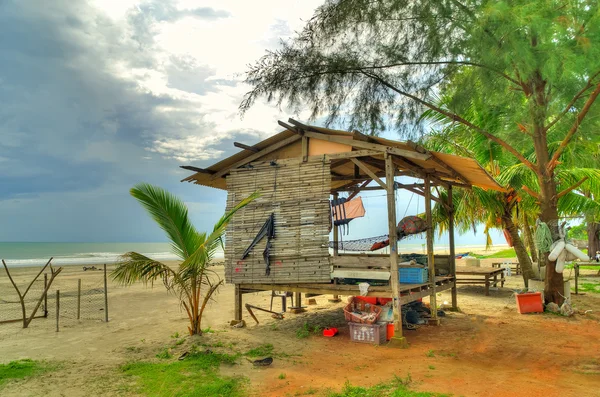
<point>554,285</point>
<point>528,237</point>
<point>593,232</point>
<point>520,250</point>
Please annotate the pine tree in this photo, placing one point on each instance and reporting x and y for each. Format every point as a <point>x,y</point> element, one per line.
<point>375,64</point>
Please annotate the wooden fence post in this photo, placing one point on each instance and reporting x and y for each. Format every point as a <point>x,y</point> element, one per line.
<point>57,307</point>
<point>105,296</point>
<point>78,299</point>
<point>46,295</point>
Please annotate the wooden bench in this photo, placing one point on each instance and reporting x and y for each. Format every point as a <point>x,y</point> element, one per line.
<point>515,267</point>
<point>488,276</point>
<point>576,266</point>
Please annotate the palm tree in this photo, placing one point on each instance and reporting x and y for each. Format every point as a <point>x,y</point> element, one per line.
<point>517,209</point>
<point>193,281</point>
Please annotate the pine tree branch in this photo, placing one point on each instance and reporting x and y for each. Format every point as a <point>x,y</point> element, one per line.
<point>457,118</point>
<point>588,104</point>
<point>465,63</point>
<point>575,99</point>
<point>575,186</point>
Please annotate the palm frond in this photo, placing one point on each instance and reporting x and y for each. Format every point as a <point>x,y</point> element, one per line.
<point>133,267</point>
<point>204,252</point>
<point>171,214</point>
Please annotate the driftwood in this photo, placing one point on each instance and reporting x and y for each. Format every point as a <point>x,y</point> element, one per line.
<point>53,274</point>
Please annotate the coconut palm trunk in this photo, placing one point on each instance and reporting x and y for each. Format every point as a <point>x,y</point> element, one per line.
<point>519,246</point>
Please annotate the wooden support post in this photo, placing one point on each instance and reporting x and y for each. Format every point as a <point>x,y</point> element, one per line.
<point>237,299</point>
<point>46,295</point>
<point>336,238</point>
<point>57,308</point>
<point>430,257</point>
<point>576,276</point>
<point>452,248</point>
<point>304,149</point>
<point>397,339</point>
<point>105,295</point>
<point>298,299</point>
<point>79,298</point>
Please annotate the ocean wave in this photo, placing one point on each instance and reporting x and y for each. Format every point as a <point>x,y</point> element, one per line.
<point>89,258</point>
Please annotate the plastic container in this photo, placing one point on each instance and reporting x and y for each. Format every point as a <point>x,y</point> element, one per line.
<point>389,331</point>
<point>530,302</point>
<point>470,261</point>
<point>330,332</point>
<point>362,306</point>
<point>374,334</point>
<point>368,299</point>
<point>413,275</point>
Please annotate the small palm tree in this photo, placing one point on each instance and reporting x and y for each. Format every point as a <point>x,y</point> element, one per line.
<point>193,281</point>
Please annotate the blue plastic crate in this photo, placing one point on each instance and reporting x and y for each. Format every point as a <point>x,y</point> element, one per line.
<point>413,275</point>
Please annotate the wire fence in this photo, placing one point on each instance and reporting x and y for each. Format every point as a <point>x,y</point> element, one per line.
<point>81,297</point>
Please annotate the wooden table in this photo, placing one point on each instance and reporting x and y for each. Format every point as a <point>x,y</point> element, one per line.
<point>480,275</point>
<point>576,267</point>
<point>514,266</point>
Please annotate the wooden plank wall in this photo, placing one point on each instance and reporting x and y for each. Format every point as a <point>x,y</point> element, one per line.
<point>298,194</point>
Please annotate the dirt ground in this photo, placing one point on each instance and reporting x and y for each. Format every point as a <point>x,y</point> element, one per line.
<point>487,349</point>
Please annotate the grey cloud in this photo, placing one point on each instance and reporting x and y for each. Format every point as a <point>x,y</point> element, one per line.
<point>163,10</point>
<point>184,73</point>
<point>74,130</point>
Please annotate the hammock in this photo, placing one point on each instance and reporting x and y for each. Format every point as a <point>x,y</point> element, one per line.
<point>409,225</point>
<point>363,244</point>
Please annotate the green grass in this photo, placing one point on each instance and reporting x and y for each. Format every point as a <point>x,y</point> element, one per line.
<point>570,266</point>
<point>507,253</point>
<point>397,388</point>
<point>430,353</point>
<point>164,354</point>
<point>196,376</point>
<point>22,369</point>
<point>260,351</point>
<point>307,329</point>
<point>281,376</point>
<point>589,287</point>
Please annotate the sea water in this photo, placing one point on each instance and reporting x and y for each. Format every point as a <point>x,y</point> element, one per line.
<point>34,254</point>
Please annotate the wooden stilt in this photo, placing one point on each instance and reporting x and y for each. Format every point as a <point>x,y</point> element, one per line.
<point>336,238</point>
<point>430,257</point>
<point>452,258</point>
<point>398,339</point>
<point>237,315</point>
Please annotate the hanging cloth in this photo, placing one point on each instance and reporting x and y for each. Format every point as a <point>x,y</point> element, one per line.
<point>268,230</point>
<point>344,211</point>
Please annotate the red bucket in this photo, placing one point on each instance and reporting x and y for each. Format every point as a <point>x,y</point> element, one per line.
<point>530,302</point>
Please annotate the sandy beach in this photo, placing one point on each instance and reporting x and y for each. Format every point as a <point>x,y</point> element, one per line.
<point>487,335</point>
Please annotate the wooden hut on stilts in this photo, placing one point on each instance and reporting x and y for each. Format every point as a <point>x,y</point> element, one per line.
<point>280,242</point>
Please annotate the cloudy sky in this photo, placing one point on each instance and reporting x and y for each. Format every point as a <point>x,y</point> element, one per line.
<point>99,95</point>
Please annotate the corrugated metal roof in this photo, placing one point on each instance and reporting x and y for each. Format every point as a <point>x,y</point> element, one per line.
<point>467,168</point>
